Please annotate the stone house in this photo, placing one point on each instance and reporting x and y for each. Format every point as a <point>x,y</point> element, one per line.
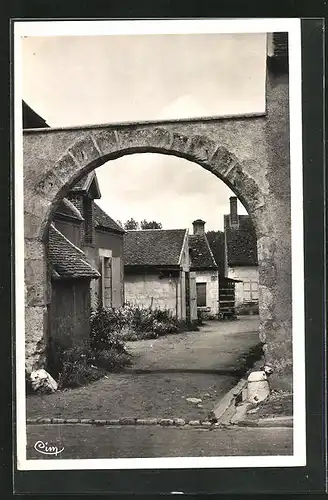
<point>86,265</point>
<point>101,239</point>
<point>241,260</point>
<point>206,269</point>
<point>157,271</point>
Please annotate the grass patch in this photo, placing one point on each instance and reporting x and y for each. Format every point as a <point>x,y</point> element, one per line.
<point>278,404</point>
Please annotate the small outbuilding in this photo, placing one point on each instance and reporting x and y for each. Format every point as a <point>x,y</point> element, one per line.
<point>157,271</point>
<point>206,269</point>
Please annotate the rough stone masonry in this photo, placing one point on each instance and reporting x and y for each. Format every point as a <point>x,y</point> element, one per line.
<point>249,153</point>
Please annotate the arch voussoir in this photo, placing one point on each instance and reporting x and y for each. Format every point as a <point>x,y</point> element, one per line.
<point>85,151</point>
<point>180,143</point>
<point>107,141</point>
<point>66,167</point>
<point>201,148</point>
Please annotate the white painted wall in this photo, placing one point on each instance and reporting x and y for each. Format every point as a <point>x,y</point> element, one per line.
<point>211,278</point>
<point>144,290</point>
<point>243,273</point>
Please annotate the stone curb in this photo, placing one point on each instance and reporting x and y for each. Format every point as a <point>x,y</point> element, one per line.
<point>162,422</point>
<point>240,418</point>
<point>266,422</point>
<point>228,399</point>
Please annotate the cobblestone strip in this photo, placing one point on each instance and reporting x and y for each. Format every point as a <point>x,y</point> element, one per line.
<point>163,422</point>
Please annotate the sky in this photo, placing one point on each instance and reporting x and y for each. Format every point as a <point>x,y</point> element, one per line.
<point>79,80</point>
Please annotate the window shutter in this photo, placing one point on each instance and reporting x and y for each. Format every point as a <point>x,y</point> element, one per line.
<point>255,291</point>
<point>247,286</point>
<point>116,282</point>
<point>247,291</point>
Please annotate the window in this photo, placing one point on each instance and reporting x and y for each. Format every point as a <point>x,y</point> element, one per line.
<point>201,294</point>
<point>251,291</point>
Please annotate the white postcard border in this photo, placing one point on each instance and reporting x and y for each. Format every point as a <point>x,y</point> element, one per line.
<point>119,27</point>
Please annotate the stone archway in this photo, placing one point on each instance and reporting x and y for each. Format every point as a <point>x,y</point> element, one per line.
<point>56,159</point>
<point>249,153</point>
<point>101,146</point>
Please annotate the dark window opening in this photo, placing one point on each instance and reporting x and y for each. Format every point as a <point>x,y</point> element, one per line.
<point>201,294</point>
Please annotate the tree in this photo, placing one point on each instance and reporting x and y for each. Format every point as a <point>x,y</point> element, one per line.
<point>144,224</point>
<point>131,224</point>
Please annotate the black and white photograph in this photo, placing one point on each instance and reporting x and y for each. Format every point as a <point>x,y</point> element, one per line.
<point>159,231</point>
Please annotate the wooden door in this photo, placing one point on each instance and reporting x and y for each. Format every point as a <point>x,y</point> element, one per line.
<point>187,296</point>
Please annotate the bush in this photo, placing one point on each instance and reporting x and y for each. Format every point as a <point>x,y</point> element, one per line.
<point>78,367</point>
<point>77,374</point>
<point>111,360</point>
<point>105,327</point>
<point>110,328</point>
<point>81,365</point>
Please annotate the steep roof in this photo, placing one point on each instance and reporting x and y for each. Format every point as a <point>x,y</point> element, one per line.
<point>153,247</point>
<point>201,254</point>
<point>68,209</point>
<point>241,242</point>
<point>67,260</point>
<point>102,220</point>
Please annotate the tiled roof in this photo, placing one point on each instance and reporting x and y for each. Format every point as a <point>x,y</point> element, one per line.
<point>104,221</point>
<point>241,242</point>
<point>153,247</point>
<point>66,260</point>
<point>201,254</point>
<point>67,208</point>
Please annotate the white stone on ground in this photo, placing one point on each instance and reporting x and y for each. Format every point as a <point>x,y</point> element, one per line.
<point>43,382</point>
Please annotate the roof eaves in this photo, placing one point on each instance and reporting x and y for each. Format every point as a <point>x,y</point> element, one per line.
<point>211,253</point>
<point>185,238</point>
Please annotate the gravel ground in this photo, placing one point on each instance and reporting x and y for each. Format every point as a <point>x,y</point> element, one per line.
<point>165,373</point>
<point>139,396</point>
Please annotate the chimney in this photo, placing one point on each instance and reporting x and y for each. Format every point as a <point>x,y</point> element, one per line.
<point>234,219</point>
<point>199,226</point>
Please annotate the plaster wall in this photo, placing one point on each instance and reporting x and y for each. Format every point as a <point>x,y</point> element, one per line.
<point>147,290</point>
